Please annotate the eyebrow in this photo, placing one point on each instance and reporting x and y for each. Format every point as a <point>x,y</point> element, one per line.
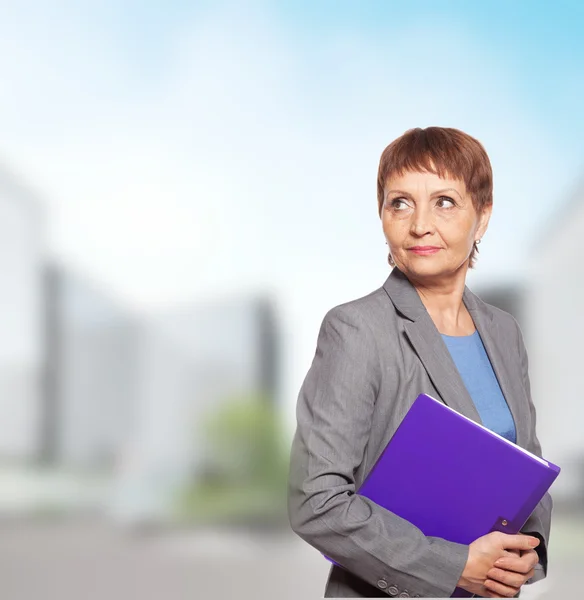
<point>437,192</point>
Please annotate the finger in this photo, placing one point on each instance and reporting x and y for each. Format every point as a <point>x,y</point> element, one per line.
<point>501,589</point>
<point>531,556</point>
<point>515,565</point>
<point>518,564</point>
<point>487,594</point>
<point>509,578</point>
<point>516,580</point>
<point>518,542</point>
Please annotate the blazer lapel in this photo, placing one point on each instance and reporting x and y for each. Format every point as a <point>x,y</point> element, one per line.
<point>437,361</point>
<point>434,355</point>
<point>497,342</point>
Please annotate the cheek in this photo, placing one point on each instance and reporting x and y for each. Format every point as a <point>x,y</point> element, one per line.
<point>456,234</point>
<point>395,229</point>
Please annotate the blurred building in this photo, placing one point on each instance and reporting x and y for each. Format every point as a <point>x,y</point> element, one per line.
<point>22,239</point>
<point>190,361</point>
<point>194,358</point>
<point>90,389</point>
<point>555,317</point>
<point>509,297</point>
<point>85,383</point>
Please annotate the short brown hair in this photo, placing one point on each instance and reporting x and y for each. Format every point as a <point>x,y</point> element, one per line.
<point>445,152</point>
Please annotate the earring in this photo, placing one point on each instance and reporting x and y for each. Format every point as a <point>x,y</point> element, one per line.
<point>477,241</point>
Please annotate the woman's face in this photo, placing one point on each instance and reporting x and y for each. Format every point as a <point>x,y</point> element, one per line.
<point>423,210</point>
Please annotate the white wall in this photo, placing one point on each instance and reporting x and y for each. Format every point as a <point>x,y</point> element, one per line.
<point>96,382</point>
<point>555,341</point>
<point>192,358</point>
<point>21,255</point>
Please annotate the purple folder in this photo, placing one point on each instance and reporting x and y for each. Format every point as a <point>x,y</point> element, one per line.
<point>455,479</point>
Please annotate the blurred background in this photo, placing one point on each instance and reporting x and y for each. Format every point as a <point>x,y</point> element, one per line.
<point>186,188</point>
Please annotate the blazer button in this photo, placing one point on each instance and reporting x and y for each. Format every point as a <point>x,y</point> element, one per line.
<point>382,584</point>
<point>404,595</point>
<point>392,591</point>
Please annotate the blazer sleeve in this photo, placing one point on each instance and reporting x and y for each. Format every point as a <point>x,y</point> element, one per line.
<point>539,522</point>
<point>334,415</point>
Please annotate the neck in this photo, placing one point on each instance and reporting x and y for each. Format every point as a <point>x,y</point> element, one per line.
<point>442,297</point>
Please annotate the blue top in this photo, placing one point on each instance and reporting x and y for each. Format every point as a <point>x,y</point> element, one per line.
<point>474,366</point>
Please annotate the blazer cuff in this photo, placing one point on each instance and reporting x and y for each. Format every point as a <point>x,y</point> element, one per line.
<point>538,575</point>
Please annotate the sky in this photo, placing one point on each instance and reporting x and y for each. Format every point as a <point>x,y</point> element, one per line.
<point>189,149</point>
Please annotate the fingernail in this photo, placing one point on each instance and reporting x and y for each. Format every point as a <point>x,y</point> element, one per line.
<point>533,542</point>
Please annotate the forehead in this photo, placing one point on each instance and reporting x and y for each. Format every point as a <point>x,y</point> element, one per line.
<point>412,180</point>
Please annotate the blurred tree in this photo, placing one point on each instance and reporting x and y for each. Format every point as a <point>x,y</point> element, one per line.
<point>245,442</point>
<point>245,468</point>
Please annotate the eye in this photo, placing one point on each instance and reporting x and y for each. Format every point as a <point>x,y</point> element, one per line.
<point>398,204</point>
<point>443,199</point>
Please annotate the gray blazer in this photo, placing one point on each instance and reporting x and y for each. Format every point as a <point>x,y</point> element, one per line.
<point>374,356</point>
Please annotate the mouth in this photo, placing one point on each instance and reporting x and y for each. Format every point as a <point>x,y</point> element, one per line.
<point>424,250</point>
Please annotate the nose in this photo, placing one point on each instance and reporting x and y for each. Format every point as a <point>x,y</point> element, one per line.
<point>422,222</point>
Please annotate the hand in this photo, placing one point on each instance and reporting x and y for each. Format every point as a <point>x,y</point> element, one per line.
<point>483,553</point>
<point>513,570</point>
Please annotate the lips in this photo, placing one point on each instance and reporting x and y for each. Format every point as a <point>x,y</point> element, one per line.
<point>423,250</point>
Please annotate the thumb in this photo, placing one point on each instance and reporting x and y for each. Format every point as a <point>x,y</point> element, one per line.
<point>519,542</point>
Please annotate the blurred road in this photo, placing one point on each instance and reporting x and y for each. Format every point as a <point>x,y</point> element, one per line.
<point>93,559</point>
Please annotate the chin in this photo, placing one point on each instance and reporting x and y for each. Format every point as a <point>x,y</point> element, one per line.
<point>426,264</point>
<point>426,268</point>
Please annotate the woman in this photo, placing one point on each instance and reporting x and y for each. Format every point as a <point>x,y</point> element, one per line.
<point>422,331</point>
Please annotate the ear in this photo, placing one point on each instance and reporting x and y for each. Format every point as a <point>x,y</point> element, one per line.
<point>484,220</point>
